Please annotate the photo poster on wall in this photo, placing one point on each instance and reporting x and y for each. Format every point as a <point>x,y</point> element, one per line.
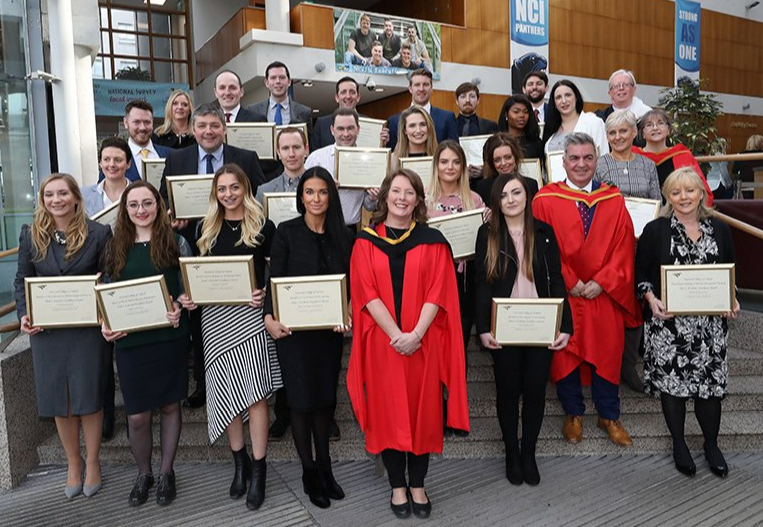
<point>529,39</point>
<point>688,22</point>
<point>385,45</point>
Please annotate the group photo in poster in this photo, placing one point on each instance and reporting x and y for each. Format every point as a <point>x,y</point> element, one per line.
<point>384,45</point>
<point>529,39</point>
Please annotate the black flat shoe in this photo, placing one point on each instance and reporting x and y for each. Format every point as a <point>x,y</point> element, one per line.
<point>683,461</point>
<point>514,469</point>
<point>717,462</point>
<point>421,510</point>
<point>402,510</point>
<point>530,469</point>
<point>165,490</point>
<point>139,492</point>
<point>197,399</point>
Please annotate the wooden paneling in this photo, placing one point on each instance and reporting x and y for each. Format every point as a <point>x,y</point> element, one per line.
<point>316,23</point>
<point>224,45</point>
<point>442,11</point>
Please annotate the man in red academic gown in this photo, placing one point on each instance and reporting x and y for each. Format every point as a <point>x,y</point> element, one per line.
<point>596,244</point>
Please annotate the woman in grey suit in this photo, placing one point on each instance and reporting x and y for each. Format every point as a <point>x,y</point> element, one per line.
<point>69,364</point>
<point>114,159</point>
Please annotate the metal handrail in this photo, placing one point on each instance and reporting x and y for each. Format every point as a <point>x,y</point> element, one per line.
<point>730,157</point>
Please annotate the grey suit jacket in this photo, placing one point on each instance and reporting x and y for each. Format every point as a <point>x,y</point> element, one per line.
<point>85,261</point>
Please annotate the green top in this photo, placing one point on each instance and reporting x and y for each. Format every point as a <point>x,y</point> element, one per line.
<point>138,265</point>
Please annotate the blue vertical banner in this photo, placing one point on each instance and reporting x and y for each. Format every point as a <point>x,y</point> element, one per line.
<point>688,22</point>
<point>529,39</point>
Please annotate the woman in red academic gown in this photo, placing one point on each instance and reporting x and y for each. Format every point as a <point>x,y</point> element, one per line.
<point>407,340</point>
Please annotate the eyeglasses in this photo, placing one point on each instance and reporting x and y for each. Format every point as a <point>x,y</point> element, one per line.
<point>621,86</point>
<point>147,205</point>
<point>658,124</point>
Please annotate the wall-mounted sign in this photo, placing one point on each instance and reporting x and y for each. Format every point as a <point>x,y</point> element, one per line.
<point>111,96</point>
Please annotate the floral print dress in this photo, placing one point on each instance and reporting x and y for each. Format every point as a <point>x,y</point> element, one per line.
<point>686,356</point>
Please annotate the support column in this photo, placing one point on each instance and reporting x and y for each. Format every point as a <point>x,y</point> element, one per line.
<point>277,15</point>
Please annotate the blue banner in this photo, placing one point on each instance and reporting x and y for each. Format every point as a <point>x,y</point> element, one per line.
<point>687,50</point>
<point>529,39</point>
<point>111,96</point>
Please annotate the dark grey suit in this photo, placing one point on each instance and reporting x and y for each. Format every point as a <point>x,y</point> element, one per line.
<point>69,363</point>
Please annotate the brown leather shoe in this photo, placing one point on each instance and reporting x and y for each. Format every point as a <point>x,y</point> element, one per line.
<point>617,434</point>
<point>573,429</point>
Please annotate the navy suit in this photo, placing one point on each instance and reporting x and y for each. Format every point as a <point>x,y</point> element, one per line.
<point>245,116</point>
<point>322,133</point>
<point>132,172</point>
<point>444,126</point>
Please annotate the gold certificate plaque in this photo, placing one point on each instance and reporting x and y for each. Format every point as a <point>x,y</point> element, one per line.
<point>280,206</point>
<point>370,132</point>
<point>473,146</point>
<point>642,211</point>
<point>526,321</point>
<point>361,168</point>
<point>108,216</point>
<point>530,168</point>
<point>423,166</point>
<point>61,301</point>
<point>135,305</point>
<point>310,302</point>
<point>189,195</point>
<point>219,280</point>
<point>153,170</point>
<point>460,230</point>
<point>555,167</point>
<point>698,289</point>
<point>298,126</point>
<point>259,137</point>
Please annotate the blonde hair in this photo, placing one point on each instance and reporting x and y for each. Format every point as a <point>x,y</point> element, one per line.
<point>254,216</point>
<point>684,177</point>
<point>754,142</point>
<point>403,146</point>
<point>43,224</point>
<point>434,192</point>
<point>168,126</point>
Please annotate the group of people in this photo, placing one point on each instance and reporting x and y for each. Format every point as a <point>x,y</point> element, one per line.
<point>386,49</point>
<point>413,306</point>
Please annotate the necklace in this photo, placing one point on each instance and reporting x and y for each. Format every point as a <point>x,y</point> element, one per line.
<point>625,170</point>
<point>234,229</point>
<point>60,237</point>
<point>392,233</point>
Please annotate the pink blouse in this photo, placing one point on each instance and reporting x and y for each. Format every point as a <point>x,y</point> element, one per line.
<point>523,288</point>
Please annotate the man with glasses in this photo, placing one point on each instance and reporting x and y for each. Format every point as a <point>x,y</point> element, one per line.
<point>622,92</point>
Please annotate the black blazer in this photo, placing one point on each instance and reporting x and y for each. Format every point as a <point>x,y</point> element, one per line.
<point>245,116</point>
<point>653,250</point>
<point>547,272</point>
<point>186,161</point>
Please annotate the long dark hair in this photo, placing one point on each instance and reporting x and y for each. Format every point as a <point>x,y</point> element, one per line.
<point>553,117</point>
<point>164,246</point>
<point>498,236</point>
<point>532,129</point>
<point>495,141</point>
<point>334,224</point>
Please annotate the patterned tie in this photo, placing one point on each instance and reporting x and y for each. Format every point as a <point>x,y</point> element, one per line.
<point>227,117</point>
<point>537,114</point>
<point>144,153</point>
<point>210,168</point>
<point>586,216</point>
<point>278,118</point>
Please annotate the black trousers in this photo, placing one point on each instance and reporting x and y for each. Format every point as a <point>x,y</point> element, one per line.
<point>467,301</point>
<point>395,462</point>
<point>198,349</point>
<point>521,371</point>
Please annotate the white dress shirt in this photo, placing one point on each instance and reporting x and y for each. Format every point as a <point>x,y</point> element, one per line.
<point>136,149</point>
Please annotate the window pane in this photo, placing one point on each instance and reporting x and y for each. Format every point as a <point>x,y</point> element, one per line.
<point>132,69</point>
<point>171,72</point>
<point>170,48</point>
<point>160,23</point>
<point>104,17</point>
<point>105,43</point>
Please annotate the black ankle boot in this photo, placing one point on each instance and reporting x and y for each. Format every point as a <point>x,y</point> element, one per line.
<point>513,466</point>
<point>330,486</point>
<point>256,494</point>
<point>530,466</point>
<point>313,487</point>
<point>243,473</point>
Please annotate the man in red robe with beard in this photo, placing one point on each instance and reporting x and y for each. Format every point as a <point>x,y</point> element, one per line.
<point>596,245</point>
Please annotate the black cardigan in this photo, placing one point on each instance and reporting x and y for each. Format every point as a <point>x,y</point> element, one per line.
<point>653,251</point>
<point>547,272</point>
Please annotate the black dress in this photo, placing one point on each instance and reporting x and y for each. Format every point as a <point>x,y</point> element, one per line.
<point>310,360</point>
<point>173,140</point>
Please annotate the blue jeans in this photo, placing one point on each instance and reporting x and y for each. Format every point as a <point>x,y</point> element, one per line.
<point>605,395</point>
<point>351,59</point>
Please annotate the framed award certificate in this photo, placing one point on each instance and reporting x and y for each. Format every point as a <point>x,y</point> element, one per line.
<point>259,137</point>
<point>460,230</point>
<point>370,130</point>
<point>310,302</point>
<point>108,216</point>
<point>555,167</point>
<point>189,195</point>
<point>530,168</point>
<point>361,167</point>
<point>219,280</point>
<point>423,166</point>
<point>153,170</point>
<point>61,301</point>
<point>642,211</point>
<point>473,146</point>
<point>526,321</point>
<point>299,126</point>
<point>280,206</point>
<point>135,305</point>
<point>698,289</point>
